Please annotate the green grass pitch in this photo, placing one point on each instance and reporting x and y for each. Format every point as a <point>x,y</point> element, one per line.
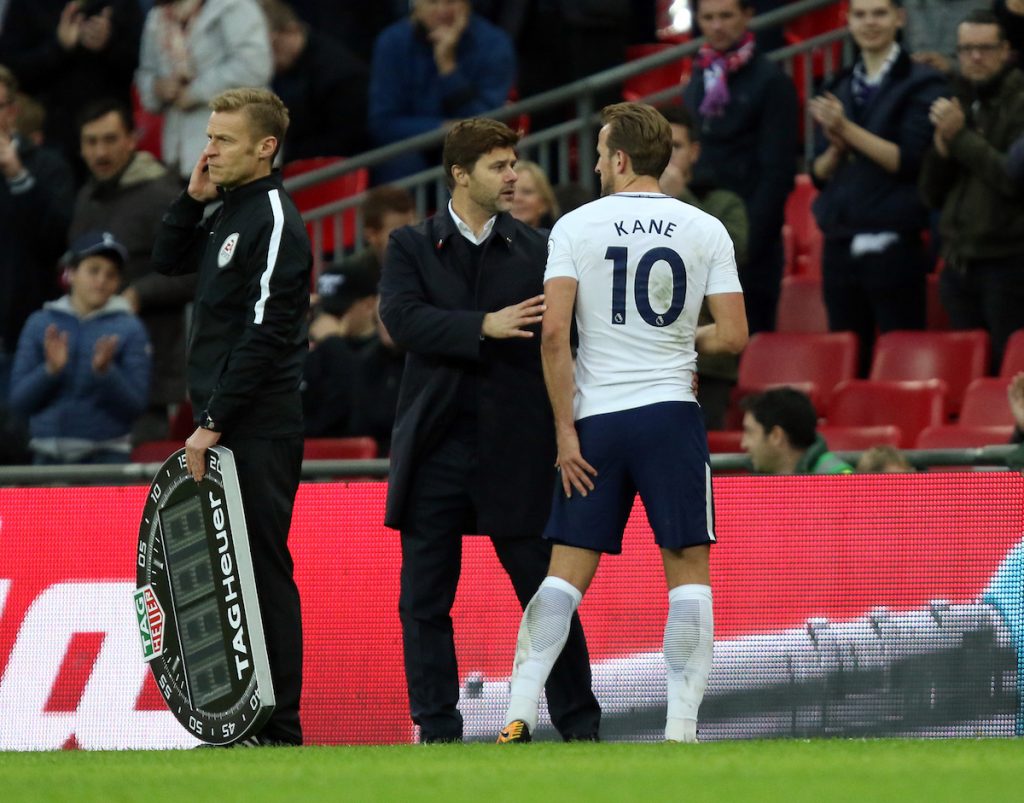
<point>841,770</point>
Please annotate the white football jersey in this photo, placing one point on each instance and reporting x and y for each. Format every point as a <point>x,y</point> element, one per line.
<point>644,262</point>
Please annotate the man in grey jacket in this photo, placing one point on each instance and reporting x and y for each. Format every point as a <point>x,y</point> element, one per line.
<point>127,194</point>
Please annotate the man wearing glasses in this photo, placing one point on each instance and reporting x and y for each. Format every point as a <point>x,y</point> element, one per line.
<point>964,175</point>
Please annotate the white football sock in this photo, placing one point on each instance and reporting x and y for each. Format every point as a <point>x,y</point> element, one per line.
<point>689,639</point>
<point>542,634</point>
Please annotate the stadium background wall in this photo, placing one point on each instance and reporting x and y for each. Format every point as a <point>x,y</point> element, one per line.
<point>850,605</point>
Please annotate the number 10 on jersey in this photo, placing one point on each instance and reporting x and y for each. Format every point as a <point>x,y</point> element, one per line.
<point>619,255</point>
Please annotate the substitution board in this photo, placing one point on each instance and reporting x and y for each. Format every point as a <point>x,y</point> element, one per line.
<point>196,601</point>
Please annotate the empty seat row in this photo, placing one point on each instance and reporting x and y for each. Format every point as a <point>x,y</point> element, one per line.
<point>817,363</point>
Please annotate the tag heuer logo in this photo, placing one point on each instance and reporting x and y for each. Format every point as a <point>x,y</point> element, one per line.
<point>151,622</point>
<point>227,250</point>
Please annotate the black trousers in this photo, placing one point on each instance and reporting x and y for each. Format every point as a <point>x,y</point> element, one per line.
<point>268,473</point>
<point>761,278</point>
<point>883,291</point>
<point>441,511</point>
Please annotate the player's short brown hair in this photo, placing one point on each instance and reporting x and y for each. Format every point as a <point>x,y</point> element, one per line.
<point>265,110</point>
<point>642,133</point>
<point>470,139</point>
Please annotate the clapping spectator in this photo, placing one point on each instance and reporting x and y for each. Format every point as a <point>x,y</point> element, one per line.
<point>191,51</point>
<point>442,64</point>
<point>873,134</point>
<point>81,373</point>
<point>964,175</point>
<point>69,53</point>
<point>35,207</point>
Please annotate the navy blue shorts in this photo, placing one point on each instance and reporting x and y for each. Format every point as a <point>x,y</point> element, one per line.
<point>660,451</point>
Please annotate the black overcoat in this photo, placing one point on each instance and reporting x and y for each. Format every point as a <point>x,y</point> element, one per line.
<point>433,310</point>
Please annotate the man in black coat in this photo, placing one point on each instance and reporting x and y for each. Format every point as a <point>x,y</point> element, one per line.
<point>473,448</point>
<point>746,109</point>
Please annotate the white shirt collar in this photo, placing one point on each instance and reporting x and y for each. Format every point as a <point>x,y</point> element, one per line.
<point>467,232</point>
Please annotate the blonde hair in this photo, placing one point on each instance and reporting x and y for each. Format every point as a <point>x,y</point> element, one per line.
<point>265,110</point>
<point>543,185</point>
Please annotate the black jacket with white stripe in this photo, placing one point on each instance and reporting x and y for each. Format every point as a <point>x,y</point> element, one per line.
<point>248,340</point>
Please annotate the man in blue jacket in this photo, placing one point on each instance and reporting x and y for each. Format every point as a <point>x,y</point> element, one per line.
<point>81,372</point>
<point>440,65</point>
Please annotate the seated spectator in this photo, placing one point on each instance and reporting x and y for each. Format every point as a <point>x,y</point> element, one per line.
<point>442,64</point>
<point>69,54</point>
<point>343,322</point>
<point>323,85</point>
<point>964,175</point>
<point>873,134</point>
<point>883,460</point>
<point>191,51</point>
<point>780,433</point>
<point>717,372</point>
<point>534,202</point>
<point>127,193</point>
<point>35,207</point>
<point>385,209</point>
<point>81,372</point>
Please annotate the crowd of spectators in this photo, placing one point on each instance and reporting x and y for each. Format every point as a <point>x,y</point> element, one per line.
<point>919,153</point>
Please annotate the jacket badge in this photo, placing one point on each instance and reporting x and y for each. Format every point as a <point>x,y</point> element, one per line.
<point>227,250</point>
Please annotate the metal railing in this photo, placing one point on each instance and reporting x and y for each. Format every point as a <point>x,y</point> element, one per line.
<point>999,457</point>
<point>552,147</point>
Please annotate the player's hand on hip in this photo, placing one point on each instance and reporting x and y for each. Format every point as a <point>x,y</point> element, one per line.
<point>573,470</point>
<point>195,451</point>
<point>510,321</point>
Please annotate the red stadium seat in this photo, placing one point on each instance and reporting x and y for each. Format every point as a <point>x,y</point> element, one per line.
<point>960,436</point>
<point>657,78</point>
<point>1013,355</point>
<point>911,406</point>
<point>724,441</point>
<point>329,191</point>
<point>853,439</point>
<point>339,449</point>
<point>805,236</point>
<point>812,362</point>
<point>801,305</point>
<point>156,451</point>
<point>957,358</point>
<point>986,404</point>
<point>182,424</point>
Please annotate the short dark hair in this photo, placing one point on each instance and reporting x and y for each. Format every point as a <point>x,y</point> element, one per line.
<point>381,200</point>
<point>788,409</point>
<point>984,16</point>
<point>680,115</point>
<point>470,139</point>
<point>101,108</point>
<point>642,133</point>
